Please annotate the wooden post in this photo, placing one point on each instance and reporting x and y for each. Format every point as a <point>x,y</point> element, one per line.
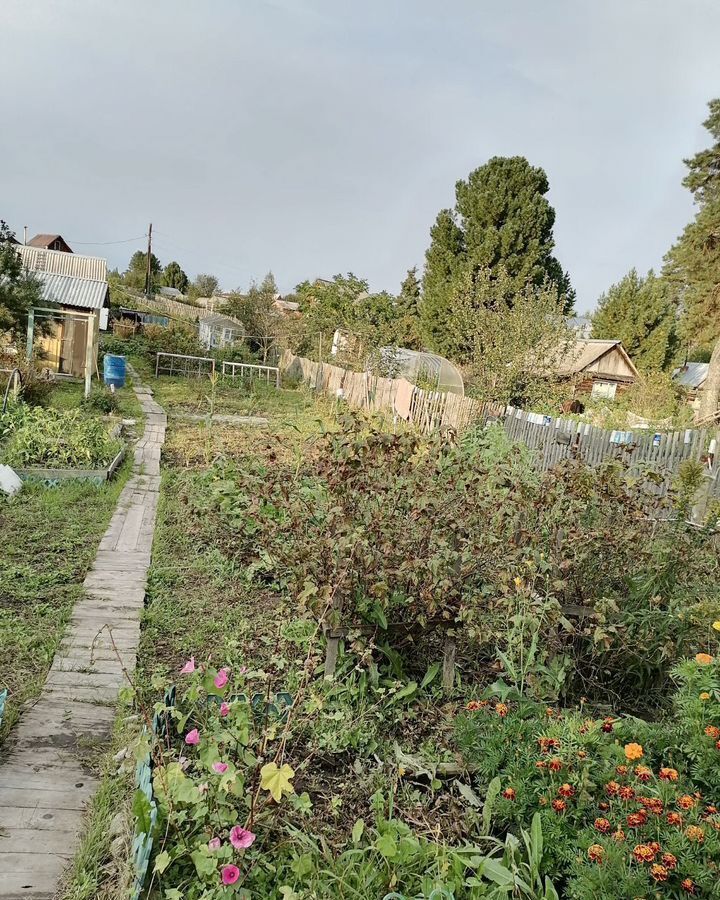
<point>448,673</point>
<point>30,334</point>
<point>89,351</point>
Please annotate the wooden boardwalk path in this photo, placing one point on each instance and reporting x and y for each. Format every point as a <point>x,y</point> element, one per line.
<point>45,780</point>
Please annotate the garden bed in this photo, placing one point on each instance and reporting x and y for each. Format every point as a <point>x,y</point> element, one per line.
<point>53,476</point>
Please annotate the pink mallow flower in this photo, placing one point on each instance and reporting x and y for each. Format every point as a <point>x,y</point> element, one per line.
<point>220,767</point>
<point>229,874</point>
<point>224,709</point>
<point>241,838</point>
<point>189,667</point>
<point>192,737</point>
<point>214,844</point>
<point>221,679</point>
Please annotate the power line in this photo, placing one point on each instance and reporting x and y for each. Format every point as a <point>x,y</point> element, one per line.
<point>107,243</point>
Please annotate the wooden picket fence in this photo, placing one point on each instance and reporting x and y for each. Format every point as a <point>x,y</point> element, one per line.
<point>552,439</point>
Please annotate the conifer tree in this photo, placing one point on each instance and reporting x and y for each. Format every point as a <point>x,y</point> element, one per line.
<point>639,312</point>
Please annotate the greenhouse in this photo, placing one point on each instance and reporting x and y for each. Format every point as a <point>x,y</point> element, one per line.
<point>424,369</point>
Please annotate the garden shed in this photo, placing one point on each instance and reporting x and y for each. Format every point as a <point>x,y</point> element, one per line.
<point>421,368</point>
<point>217,331</point>
<point>692,378</point>
<point>598,367</point>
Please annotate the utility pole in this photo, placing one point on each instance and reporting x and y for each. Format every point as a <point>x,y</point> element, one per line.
<point>25,235</point>
<point>148,275</point>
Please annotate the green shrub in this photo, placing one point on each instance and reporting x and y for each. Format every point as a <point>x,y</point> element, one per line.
<point>100,399</point>
<point>60,439</point>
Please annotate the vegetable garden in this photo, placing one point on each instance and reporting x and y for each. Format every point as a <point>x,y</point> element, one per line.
<point>570,749</point>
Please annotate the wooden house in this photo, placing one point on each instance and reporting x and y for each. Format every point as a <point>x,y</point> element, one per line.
<point>599,368</point>
<point>50,242</point>
<point>218,331</point>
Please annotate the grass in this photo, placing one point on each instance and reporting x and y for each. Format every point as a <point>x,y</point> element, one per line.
<point>69,395</point>
<point>48,537</point>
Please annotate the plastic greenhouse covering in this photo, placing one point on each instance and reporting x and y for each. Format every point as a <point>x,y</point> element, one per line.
<point>426,370</point>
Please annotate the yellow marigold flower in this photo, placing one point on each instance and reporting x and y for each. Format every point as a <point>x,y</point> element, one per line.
<point>693,833</point>
<point>518,582</point>
<point>704,695</point>
<point>633,751</point>
<point>703,659</point>
<point>596,853</point>
<point>659,873</point>
<point>716,625</point>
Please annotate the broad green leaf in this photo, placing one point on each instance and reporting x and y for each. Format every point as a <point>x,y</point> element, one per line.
<point>468,794</point>
<point>142,811</point>
<point>490,798</point>
<point>386,846</point>
<point>357,832</point>
<point>430,675</point>
<point>204,864</point>
<point>162,861</point>
<point>277,781</point>
<point>496,872</point>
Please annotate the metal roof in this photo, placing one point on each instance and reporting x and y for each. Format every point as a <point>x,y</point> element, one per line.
<point>218,319</point>
<point>70,291</point>
<point>691,375</point>
<point>57,262</point>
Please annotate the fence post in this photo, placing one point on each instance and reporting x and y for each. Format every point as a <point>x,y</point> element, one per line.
<point>157,363</point>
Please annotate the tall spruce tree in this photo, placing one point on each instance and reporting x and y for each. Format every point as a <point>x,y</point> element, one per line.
<point>407,331</point>
<point>640,312</point>
<point>444,262</point>
<point>502,220</point>
<point>693,264</point>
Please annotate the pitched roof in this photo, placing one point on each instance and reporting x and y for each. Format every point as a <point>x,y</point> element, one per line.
<point>68,290</point>
<point>221,320</point>
<point>56,262</point>
<point>44,241</point>
<point>691,375</point>
<point>581,354</point>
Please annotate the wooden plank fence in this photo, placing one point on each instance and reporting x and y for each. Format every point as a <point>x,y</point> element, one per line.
<point>552,439</point>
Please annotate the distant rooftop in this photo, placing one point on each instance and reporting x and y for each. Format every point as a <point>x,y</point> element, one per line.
<point>50,242</point>
<point>57,262</point>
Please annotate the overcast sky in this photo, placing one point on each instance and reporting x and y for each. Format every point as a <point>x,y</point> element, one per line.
<point>312,137</point>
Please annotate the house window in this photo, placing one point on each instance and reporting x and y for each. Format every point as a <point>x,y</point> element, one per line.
<point>603,390</point>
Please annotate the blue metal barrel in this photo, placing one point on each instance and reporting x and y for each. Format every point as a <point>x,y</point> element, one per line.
<point>114,370</point>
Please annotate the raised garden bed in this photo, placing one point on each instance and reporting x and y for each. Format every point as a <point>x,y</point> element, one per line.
<point>52,476</point>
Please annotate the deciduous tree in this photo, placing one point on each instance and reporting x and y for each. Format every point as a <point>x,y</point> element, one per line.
<point>19,290</point>
<point>203,285</point>
<point>136,273</point>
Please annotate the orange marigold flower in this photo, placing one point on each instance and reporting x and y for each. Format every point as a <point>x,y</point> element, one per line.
<point>643,773</point>
<point>626,792</point>
<point>604,806</point>
<point>559,805</point>
<point>703,659</point>
<point>619,835</point>
<point>509,793</point>
<point>644,853</point>
<point>704,696</point>
<point>717,744</point>
<point>668,774</point>
<point>473,705</point>
<point>659,873</point>
<point>712,731</point>
<point>602,825</point>
<point>669,861</point>
<point>654,846</point>
<point>687,884</point>
<point>540,764</point>
<point>694,833</point>
<point>686,801</point>
<point>710,811</point>
<point>566,790</point>
<point>612,787</point>
<point>582,754</point>
<point>636,820</point>
<point>547,744</point>
<point>607,725</point>
<point>654,804</point>
<point>501,709</point>
<point>633,751</point>
<point>555,764</point>
<point>622,770</point>
<point>550,712</point>
<point>674,818</point>
<point>596,853</point>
